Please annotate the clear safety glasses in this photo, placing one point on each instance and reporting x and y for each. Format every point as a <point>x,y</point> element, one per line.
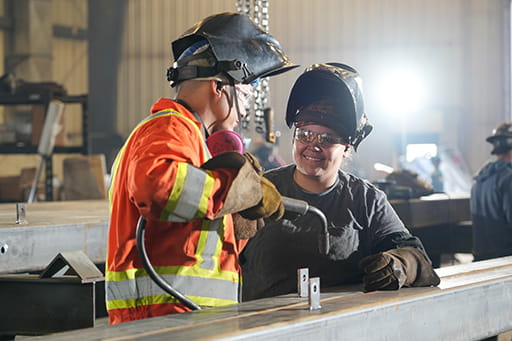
<point>245,93</point>
<point>324,139</point>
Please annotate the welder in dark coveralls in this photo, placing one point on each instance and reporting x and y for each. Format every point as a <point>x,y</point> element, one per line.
<point>369,242</point>
<point>491,199</point>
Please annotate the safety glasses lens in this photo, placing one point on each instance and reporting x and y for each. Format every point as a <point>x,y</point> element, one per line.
<point>307,136</point>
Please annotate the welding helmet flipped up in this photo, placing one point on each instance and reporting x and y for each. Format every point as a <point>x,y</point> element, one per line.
<point>331,95</point>
<point>233,46</point>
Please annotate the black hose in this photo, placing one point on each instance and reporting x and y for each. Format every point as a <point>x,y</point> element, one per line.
<point>293,205</point>
<point>302,207</point>
<point>323,234</point>
<point>162,283</point>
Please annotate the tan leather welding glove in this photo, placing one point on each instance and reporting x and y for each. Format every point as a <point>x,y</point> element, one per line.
<point>250,194</point>
<point>395,268</point>
<point>270,206</point>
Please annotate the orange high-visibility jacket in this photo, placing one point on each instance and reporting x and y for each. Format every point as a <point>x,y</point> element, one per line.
<point>156,174</point>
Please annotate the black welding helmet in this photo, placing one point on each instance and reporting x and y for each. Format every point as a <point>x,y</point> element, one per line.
<point>501,138</point>
<point>236,46</point>
<point>330,94</point>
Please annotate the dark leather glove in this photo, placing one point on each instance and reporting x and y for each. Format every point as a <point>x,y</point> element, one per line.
<point>245,228</point>
<point>254,162</point>
<point>233,160</point>
<point>271,205</point>
<point>225,160</point>
<point>393,269</point>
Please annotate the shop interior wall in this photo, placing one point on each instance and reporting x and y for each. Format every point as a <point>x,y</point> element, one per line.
<point>461,47</point>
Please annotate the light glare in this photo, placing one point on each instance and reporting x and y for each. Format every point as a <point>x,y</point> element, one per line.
<point>402,92</point>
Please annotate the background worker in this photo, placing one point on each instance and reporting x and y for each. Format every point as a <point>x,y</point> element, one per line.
<point>164,173</point>
<point>491,199</point>
<point>368,241</point>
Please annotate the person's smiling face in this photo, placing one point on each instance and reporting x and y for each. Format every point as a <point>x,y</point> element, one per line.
<point>316,160</point>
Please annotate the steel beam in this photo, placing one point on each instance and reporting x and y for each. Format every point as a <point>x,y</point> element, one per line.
<point>35,306</point>
<point>473,302</point>
<point>62,298</point>
<point>83,225</point>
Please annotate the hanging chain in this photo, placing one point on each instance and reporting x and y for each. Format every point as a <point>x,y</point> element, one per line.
<point>260,16</point>
<point>243,7</point>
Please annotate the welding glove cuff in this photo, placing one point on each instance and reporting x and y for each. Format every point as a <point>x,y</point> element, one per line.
<point>245,190</point>
<point>245,228</point>
<point>233,160</point>
<point>250,193</point>
<point>270,206</point>
<point>395,268</point>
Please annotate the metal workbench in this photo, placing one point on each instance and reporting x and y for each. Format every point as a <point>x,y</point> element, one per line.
<point>51,228</point>
<point>442,222</point>
<point>59,226</point>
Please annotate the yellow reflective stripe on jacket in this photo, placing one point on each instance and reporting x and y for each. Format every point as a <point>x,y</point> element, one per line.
<point>143,291</point>
<point>204,280</point>
<point>119,155</point>
<point>209,244</point>
<point>202,207</point>
<point>185,205</point>
<point>159,299</point>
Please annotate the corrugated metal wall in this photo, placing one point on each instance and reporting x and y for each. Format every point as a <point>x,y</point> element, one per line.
<point>461,47</point>
<point>69,62</point>
<point>149,29</point>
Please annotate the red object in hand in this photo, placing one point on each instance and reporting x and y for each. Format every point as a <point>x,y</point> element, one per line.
<point>225,141</point>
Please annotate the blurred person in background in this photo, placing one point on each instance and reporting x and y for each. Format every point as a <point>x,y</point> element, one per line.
<point>491,199</point>
<point>268,155</point>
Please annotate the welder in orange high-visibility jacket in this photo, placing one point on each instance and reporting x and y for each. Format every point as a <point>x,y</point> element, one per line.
<point>164,173</point>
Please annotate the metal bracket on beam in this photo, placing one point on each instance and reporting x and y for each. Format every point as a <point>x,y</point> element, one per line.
<point>21,213</point>
<point>303,282</point>
<point>314,293</point>
<point>73,263</point>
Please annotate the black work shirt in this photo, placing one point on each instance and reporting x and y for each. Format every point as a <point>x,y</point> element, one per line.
<point>491,210</point>
<point>361,222</point>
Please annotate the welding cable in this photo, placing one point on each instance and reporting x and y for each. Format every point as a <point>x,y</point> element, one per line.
<point>162,283</point>
<point>302,207</point>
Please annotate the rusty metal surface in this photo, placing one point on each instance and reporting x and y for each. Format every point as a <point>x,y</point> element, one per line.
<point>53,227</point>
<point>472,302</point>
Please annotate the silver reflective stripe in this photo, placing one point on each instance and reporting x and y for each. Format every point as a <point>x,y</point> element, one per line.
<point>192,286</point>
<point>210,248</point>
<point>193,188</point>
